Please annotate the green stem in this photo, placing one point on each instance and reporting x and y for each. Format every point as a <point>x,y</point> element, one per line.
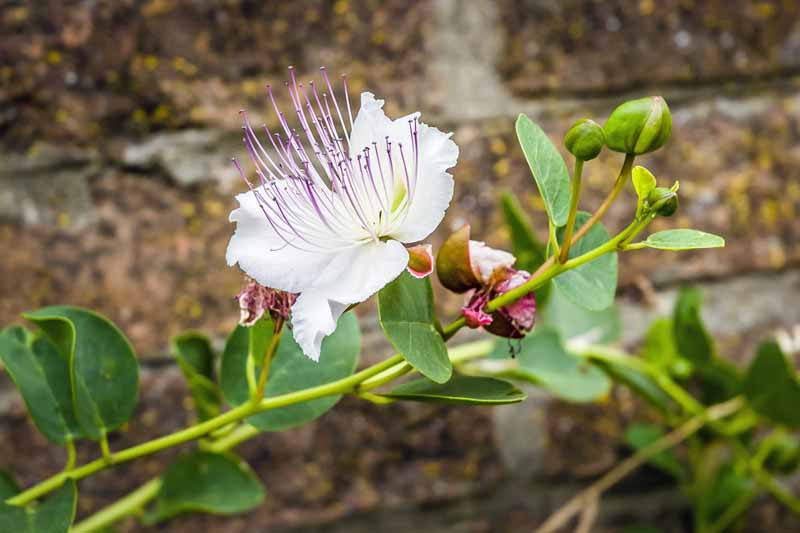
<point>266,362</point>
<point>623,177</point>
<point>470,350</point>
<point>733,511</point>
<point>693,407</point>
<point>243,432</point>
<point>120,509</point>
<point>778,491</point>
<point>616,356</point>
<point>385,377</point>
<point>573,210</point>
<point>551,228</point>
<point>234,415</point>
<point>374,398</point>
<point>70,454</point>
<point>250,374</point>
<point>458,354</point>
<point>559,519</point>
<point>135,500</point>
<point>105,450</point>
<point>743,502</point>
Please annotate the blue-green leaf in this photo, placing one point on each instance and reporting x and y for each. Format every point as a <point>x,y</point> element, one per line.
<point>640,383</point>
<point>54,515</point>
<point>771,387</point>
<point>544,360</point>
<point>195,357</point>
<point>291,371</point>
<point>8,485</point>
<point>683,239</point>
<point>692,340</point>
<point>42,376</point>
<point>571,320</point>
<point>103,369</point>
<point>407,317</point>
<point>459,390</point>
<point>641,435</point>
<point>548,169</point>
<point>209,483</point>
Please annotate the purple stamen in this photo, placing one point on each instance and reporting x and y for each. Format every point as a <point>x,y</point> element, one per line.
<point>333,200</point>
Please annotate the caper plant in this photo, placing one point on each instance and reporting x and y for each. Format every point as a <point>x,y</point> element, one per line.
<point>337,208</point>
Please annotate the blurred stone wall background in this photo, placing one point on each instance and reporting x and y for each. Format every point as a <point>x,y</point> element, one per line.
<point>117,123</point>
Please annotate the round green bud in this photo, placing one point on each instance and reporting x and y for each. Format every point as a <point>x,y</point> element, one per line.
<point>585,139</point>
<point>663,201</point>
<point>639,126</point>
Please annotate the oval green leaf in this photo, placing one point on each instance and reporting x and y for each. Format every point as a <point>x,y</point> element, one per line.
<point>405,311</point>
<point>592,285</point>
<point>640,383</point>
<point>54,515</point>
<point>41,375</point>
<point>8,485</point>
<point>460,389</point>
<point>771,387</point>
<point>104,373</point>
<point>544,360</point>
<point>548,168</point>
<point>526,246</point>
<point>571,320</point>
<point>683,239</point>
<point>640,436</point>
<point>291,371</point>
<point>209,483</point>
<point>692,340</point>
<point>195,357</point>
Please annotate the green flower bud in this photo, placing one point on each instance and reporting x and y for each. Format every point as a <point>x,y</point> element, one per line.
<point>663,201</point>
<point>585,139</point>
<point>639,126</point>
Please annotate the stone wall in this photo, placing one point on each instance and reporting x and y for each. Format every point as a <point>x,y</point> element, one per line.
<point>118,120</point>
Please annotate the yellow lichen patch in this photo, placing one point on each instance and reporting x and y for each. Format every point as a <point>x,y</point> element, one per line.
<point>183,66</point>
<point>161,113</point>
<point>150,62</point>
<point>501,167</point>
<point>770,214</point>
<point>154,8</point>
<point>54,57</point>
<point>498,146</point>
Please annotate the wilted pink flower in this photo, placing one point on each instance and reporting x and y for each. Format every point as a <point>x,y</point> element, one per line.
<point>256,300</point>
<point>512,321</point>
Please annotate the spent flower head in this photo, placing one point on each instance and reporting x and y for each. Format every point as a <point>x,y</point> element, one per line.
<point>255,301</point>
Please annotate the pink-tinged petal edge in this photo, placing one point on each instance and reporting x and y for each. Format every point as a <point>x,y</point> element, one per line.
<point>420,260</point>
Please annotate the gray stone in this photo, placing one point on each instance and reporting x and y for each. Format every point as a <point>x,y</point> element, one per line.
<point>520,434</point>
<point>754,304</point>
<point>188,157</point>
<point>48,185</point>
<point>464,51</point>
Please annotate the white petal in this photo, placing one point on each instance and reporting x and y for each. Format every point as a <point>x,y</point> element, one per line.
<point>314,317</point>
<point>264,256</point>
<point>485,260</point>
<point>434,189</point>
<point>371,124</point>
<point>351,276</point>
